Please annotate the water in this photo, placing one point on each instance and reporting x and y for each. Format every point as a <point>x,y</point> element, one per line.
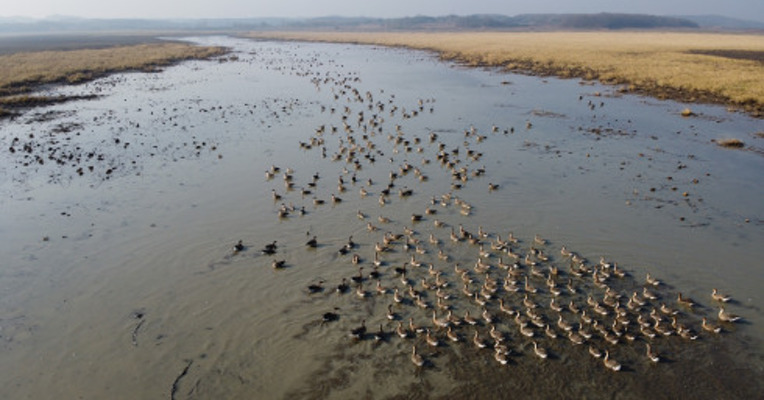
<point>122,282</point>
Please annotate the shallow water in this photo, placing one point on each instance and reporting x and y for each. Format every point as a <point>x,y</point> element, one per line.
<point>121,281</point>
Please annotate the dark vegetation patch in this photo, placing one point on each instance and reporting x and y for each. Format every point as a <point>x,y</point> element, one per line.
<point>751,55</point>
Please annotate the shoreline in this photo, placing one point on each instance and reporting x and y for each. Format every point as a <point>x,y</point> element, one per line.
<point>29,71</point>
<point>530,64</point>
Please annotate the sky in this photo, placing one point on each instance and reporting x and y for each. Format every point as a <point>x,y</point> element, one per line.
<point>745,9</point>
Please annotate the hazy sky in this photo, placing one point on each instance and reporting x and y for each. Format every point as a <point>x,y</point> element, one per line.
<point>747,9</point>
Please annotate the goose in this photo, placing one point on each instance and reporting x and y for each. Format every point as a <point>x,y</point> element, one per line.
<point>360,292</point>
<point>397,296</point>
<point>316,287</point>
<point>651,281</point>
<point>358,278</point>
<point>452,336</point>
<point>390,314</point>
<point>357,333</point>
<point>278,264</point>
<point>441,323</point>
<point>355,259</point>
<point>487,316</point>
<point>710,328</point>
<point>506,310</point>
<point>239,246</point>
<point>648,294</point>
<point>478,341</point>
<point>550,332</point>
<point>564,325</point>
<point>469,319</point>
<point>432,341</point>
<point>653,356</point>
<point>595,352</point>
<point>575,338</point>
<point>343,286</point>
<point>401,331</point>
<point>525,330</point>
<point>414,328</point>
<point>714,295</point>
<point>270,248</point>
<point>500,357</point>
<point>416,358</point>
<point>312,243</point>
<point>687,302</point>
<point>380,335</point>
<point>610,363</point>
<point>540,351</point>
<point>724,316</point>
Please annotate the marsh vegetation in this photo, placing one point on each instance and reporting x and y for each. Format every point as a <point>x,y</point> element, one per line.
<point>695,67</point>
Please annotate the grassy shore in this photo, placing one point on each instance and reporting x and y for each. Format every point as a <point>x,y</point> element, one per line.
<point>23,72</point>
<point>696,67</point>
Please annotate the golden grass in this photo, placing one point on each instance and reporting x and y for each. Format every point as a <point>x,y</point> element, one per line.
<point>664,64</point>
<point>21,72</point>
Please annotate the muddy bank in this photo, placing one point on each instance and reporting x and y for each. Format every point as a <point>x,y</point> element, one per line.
<point>71,61</point>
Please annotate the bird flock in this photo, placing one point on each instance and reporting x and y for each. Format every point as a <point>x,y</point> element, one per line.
<point>441,280</point>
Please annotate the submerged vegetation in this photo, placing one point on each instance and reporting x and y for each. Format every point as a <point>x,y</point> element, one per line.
<point>21,73</point>
<point>694,67</point>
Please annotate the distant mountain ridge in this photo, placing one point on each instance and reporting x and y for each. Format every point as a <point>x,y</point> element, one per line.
<point>601,21</point>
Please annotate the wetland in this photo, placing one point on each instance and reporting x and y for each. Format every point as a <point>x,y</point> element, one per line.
<point>156,239</point>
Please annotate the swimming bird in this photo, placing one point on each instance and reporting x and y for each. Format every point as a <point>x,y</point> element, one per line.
<point>452,336</point>
<point>653,356</point>
<point>651,281</point>
<point>270,248</point>
<point>416,358</point>
<point>278,264</point>
<point>595,352</point>
<point>540,351</point>
<point>714,295</point>
<point>312,243</point>
<point>316,287</point>
<point>610,363</point>
<point>724,316</point>
<point>500,357</point>
<point>709,327</point>
<point>401,331</point>
<point>357,333</point>
<point>239,246</point>
<point>478,341</point>
<point>684,301</point>
<point>431,340</point>
<point>380,335</point>
<point>343,286</point>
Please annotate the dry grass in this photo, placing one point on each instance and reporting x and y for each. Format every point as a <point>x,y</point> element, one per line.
<point>704,67</point>
<point>21,72</point>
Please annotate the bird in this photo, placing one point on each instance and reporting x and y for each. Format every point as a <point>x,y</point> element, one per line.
<point>401,331</point>
<point>239,246</point>
<point>312,243</point>
<point>710,328</point>
<point>724,316</point>
<point>540,351</point>
<point>651,354</point>
<point>357,333</point>
<point>714,295</point>
<point>279,264</point>
<point>316,287</point>
<point>432,341</point>
<point>416,358</point>
<point>478,341</point>
<point>500,357</point>
<point>270,248</point>
<point>343,286</point>
<point>610,363</point>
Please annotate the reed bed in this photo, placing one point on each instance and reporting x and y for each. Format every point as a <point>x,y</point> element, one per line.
<point>695,67</point>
